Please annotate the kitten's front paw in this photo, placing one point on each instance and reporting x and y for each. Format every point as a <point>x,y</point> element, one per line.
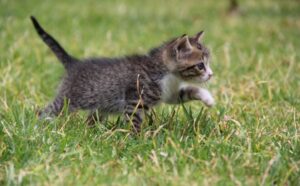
<point>206,98</point>
<point>209,101</point>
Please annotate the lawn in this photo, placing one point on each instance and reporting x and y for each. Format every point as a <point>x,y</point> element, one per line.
<point>251,136</point>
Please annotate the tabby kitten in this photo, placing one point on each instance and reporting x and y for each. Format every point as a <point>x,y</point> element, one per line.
<point>132,84</point>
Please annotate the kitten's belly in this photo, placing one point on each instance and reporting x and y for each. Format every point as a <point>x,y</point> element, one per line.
<point>92,98</point>
<point>106,105</point>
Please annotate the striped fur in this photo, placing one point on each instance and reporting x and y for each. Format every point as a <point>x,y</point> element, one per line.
<point>133,84</point>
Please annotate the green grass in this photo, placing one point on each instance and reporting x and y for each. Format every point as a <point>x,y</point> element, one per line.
<point>251,137</point>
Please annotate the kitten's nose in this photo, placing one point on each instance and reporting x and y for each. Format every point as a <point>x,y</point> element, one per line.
<point>210,75</point>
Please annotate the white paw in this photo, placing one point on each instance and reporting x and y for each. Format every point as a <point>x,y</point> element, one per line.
<point>206,97</point>
<point>209,101</point>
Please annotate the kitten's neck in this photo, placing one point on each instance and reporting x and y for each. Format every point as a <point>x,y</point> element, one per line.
<point>156,57</point>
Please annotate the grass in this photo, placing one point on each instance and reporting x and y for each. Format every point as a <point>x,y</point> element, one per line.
<point>251,137</point>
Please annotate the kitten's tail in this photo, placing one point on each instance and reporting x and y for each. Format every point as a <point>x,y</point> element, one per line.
<point>60,53</point>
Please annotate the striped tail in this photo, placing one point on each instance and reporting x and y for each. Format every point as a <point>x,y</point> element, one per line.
<point>60,53</point>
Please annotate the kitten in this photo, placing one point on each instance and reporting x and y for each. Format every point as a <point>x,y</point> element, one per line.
<point>132,84</point>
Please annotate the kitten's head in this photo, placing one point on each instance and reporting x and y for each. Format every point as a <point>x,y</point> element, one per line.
<point>187,58</point>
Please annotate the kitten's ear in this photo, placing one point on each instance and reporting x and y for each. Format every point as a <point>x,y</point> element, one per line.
<point>199,36</point>
<point>183,45</point>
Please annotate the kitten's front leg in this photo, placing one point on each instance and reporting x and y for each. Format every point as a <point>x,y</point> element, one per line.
<point>135,118</point>
<point>205,96</point>
<point>196,93</point>
<point>134,114</point>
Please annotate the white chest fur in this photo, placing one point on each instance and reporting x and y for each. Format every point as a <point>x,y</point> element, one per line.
<point>170,85</point>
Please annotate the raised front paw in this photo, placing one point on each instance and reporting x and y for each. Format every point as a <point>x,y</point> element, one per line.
<point>209,101</point>
<point>206,97</point>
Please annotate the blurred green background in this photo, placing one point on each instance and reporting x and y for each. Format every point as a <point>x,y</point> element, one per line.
<point>250,137</point>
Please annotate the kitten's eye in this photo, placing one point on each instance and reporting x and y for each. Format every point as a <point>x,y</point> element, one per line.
<point>200,66</point>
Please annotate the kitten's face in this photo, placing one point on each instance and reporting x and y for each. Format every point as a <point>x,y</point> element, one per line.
<point>188,59</point>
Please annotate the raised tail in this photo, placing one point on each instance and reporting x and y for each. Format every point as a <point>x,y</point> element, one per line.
<point>60,53</point>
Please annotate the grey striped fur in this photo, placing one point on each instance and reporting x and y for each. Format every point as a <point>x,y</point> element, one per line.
<point>130,85</point>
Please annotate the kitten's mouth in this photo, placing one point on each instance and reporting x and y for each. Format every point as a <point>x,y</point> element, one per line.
<point>204,79</point>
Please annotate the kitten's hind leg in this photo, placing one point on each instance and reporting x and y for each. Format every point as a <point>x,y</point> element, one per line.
<point>52,109</point>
